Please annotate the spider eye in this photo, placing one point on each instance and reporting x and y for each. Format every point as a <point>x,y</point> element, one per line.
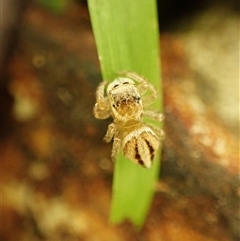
<point>115,86</point>
<point>125,83</point>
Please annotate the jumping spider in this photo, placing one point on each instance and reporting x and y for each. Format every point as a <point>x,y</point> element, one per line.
<point>124,103</point>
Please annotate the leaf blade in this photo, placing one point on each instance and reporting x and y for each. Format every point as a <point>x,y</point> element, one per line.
<point>127,41</point>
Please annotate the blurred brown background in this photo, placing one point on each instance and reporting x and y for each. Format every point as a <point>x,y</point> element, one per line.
<point>56,172</point>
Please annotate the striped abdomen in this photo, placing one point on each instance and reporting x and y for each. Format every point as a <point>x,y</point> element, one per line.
<point>140,146</point>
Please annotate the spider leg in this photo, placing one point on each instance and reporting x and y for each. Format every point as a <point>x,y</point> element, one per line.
<point>110,132</point>
<point>143,86</point>
<point>116,147</point>
<point>154,115</point>
<point>159,132</point>
<point>101,109</point>
<point>158,117</point>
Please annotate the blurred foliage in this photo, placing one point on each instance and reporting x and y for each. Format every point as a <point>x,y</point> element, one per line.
<point>55,6</point>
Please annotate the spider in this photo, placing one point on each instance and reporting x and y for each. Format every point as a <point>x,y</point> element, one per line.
<point>138,141</point>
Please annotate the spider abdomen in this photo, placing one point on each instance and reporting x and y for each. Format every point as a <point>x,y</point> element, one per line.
<point>140,146</point>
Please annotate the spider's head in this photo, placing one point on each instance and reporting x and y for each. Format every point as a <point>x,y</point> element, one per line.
<point>125,99</point>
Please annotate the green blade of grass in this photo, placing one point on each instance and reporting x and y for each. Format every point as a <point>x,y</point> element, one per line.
<point>126,35</point>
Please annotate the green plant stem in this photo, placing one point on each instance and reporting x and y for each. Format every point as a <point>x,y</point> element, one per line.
<point>126,35</point>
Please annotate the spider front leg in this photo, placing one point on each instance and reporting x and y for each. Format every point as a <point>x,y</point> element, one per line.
<point>143,86</point>
<point>101,109</point>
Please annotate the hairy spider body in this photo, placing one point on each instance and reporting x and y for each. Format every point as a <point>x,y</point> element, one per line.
<point>124,103</point>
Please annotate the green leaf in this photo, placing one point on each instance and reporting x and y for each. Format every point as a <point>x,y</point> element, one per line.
<point>126,34</point>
